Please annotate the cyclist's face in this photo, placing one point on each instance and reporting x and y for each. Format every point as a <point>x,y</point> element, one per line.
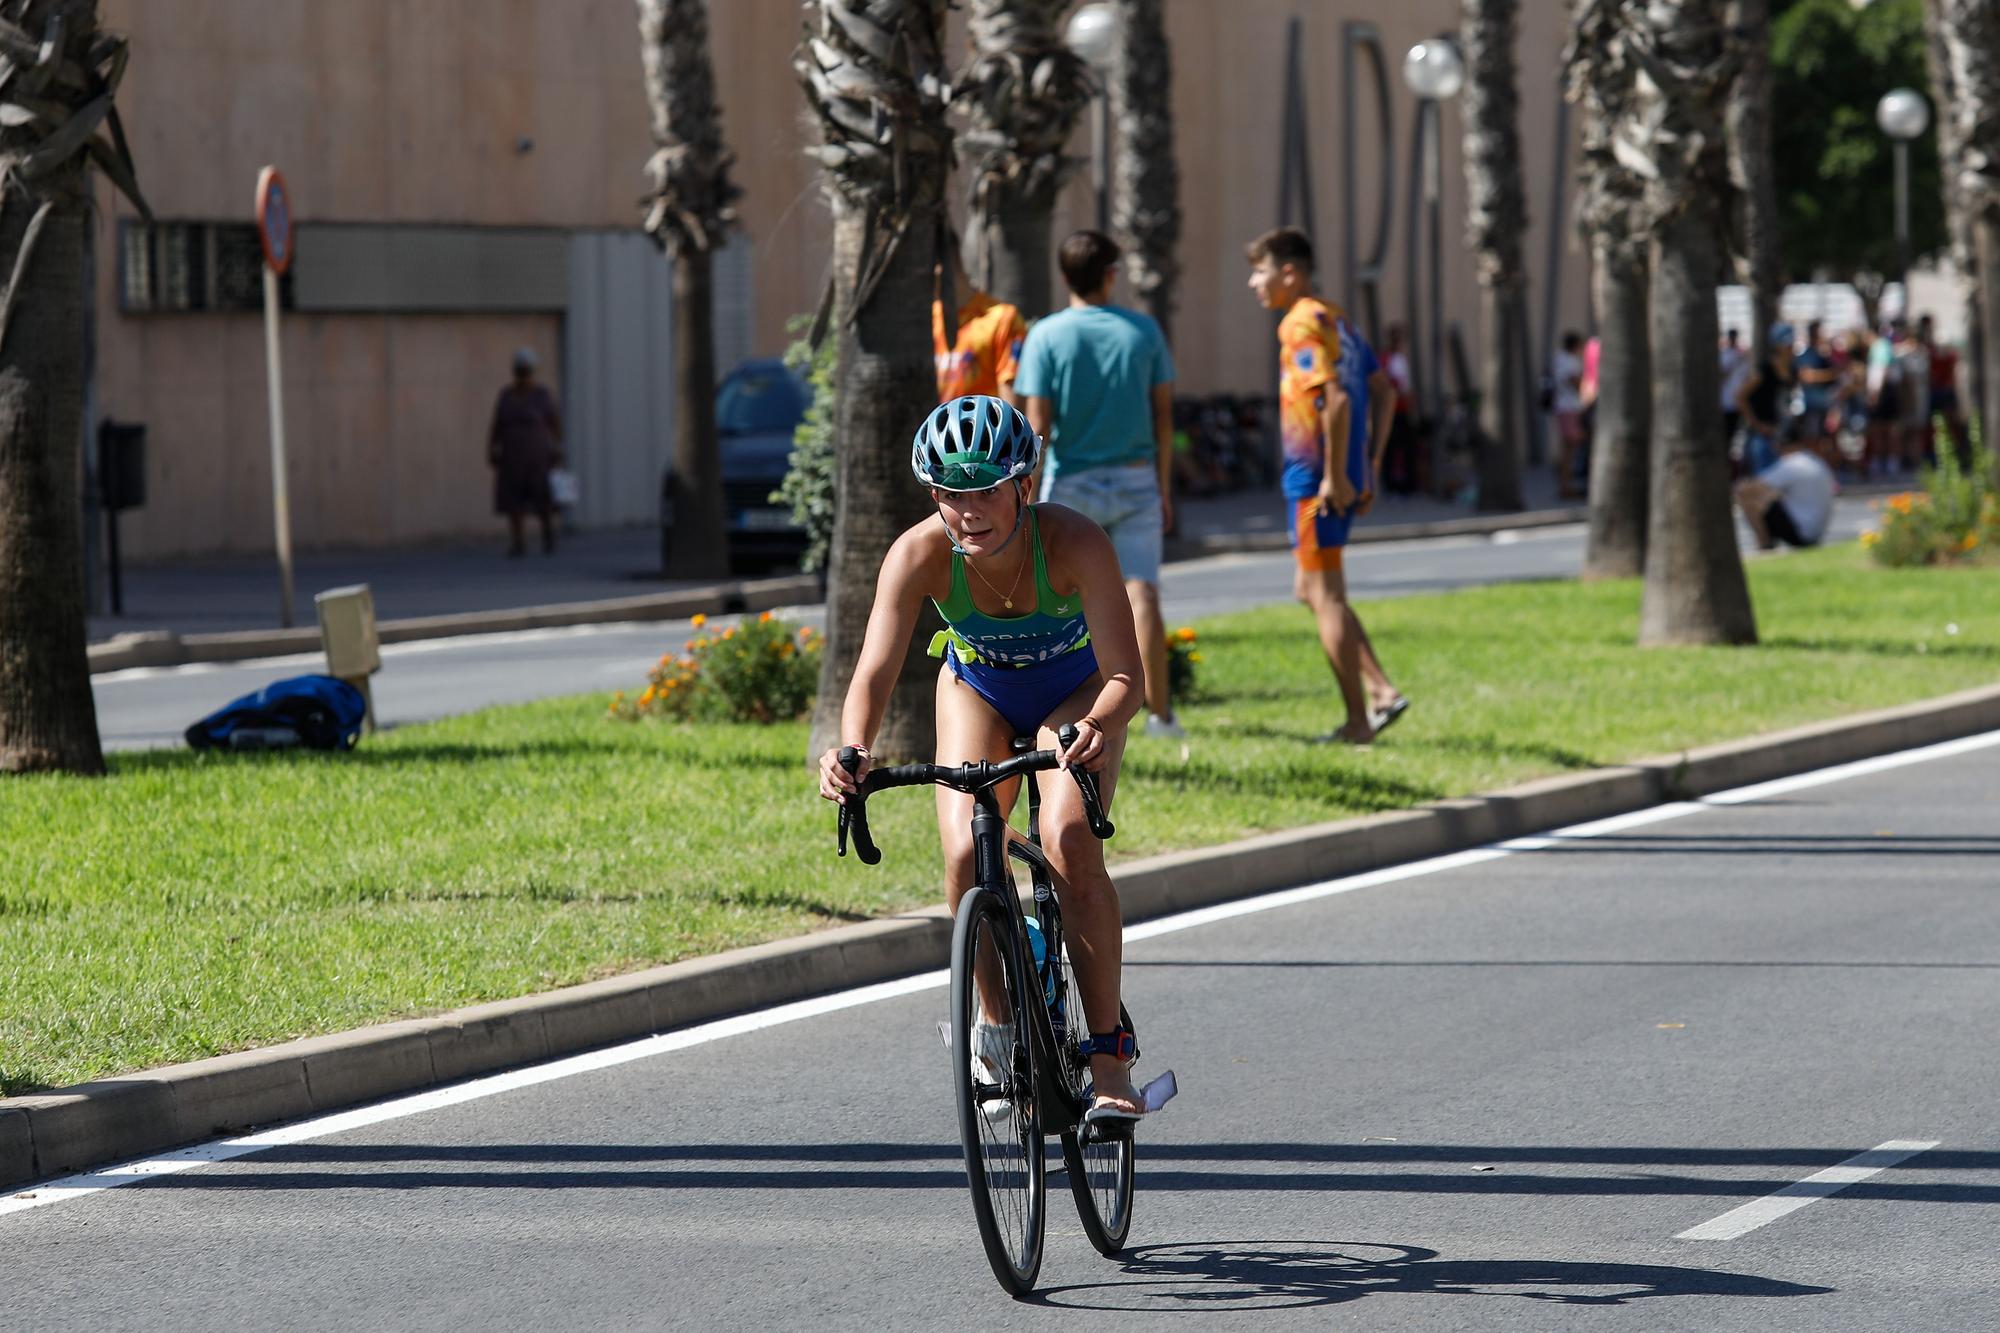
<point>980,519</point>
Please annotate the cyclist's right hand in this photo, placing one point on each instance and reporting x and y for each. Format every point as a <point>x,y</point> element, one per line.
<point>835,782</point>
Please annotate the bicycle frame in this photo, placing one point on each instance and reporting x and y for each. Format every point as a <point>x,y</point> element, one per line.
<point>1061,1111</point>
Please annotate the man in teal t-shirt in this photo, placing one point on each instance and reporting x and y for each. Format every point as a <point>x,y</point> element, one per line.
<point>1097,383</point>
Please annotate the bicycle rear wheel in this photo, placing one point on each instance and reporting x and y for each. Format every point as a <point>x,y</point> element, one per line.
<point>994,1070</point>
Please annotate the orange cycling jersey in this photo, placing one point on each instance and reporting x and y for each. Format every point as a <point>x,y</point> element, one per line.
<point>988,352</point>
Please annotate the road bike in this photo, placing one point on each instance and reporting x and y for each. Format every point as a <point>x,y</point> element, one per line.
<point>1016,1029</point>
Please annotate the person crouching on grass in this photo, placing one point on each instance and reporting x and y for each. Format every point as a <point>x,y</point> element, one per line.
<point>1334,403</point>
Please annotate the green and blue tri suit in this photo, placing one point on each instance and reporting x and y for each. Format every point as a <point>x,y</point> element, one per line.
<point>1023,665</point>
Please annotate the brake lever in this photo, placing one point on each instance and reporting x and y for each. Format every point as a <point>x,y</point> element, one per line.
<point>854,815</point>
<point>1086,782</point>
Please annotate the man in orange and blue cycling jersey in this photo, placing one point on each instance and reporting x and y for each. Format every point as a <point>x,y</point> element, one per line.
<point>1334,406</point>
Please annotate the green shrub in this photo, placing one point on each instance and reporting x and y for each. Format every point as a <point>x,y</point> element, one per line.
<point>1953,519</point>
<point>1183,657</point>
<point>808,487</point>
<point>761,670</point>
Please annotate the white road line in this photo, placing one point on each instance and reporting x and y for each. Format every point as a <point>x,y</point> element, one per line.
<point>92,1182</point>
<point>1741,1221</point>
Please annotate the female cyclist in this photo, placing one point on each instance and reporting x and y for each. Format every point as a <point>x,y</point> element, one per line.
<point>1038,634</point>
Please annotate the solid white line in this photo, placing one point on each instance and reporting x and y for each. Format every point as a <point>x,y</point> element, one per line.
<point>77,1186</point>
<point>1740,1221</point>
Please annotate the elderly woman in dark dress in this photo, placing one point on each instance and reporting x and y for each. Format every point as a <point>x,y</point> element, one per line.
<point>524,445</point>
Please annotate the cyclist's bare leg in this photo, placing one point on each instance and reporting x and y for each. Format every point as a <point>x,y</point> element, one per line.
<point>1091,915</point>
<point>968,730</point>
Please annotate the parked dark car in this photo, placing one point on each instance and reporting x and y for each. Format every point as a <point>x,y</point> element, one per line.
<point>757,407</point>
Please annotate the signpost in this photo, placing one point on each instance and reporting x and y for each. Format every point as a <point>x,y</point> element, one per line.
<point>274,227</point>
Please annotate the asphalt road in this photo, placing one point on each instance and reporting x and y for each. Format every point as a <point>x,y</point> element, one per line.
<point>1490,1095</point>
<point>147,707</point>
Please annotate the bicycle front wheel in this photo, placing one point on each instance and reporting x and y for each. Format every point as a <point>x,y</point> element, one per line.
<point>994,1071</point>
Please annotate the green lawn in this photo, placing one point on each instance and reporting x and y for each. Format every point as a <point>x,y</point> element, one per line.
<point>194,904</point>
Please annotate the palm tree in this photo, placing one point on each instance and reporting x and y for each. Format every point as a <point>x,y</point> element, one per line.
<point>1759,264</point>
<point>1944,97</point>
<point>1603,77</point>
<point>873,75</point>
<point>1496,220</point>
<point>1695,591</point>
<point>1970,30</point>
<point>688,214</point>
<point>1145,178</point>
<point>62,73</point>
<point>1023,93</point>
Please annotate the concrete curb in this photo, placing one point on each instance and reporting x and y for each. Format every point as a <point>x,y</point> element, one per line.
<point>159,648</point>
<point>120,1118</point>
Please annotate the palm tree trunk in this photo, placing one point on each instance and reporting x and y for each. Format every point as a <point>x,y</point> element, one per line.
<point>48,719</point>
<point>1620,444</point>
<point>697,544</point>
<point>1760,261</point>
<point>1971,34</point>
<point>872,73</point>
<point>1014,254</point>
<point>1497,218</point>
<point>688,214</point>
<point>1695,591</point>
<point>1958,221</point>
<point>1023,91</point>
<point>1145,177</point>
<point>1602,76</point>
<point>887,384</point>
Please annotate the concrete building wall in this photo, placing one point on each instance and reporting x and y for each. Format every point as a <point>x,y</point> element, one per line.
<point>415,112</point>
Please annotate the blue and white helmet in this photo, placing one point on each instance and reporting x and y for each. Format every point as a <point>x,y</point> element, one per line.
<point>974,443</point>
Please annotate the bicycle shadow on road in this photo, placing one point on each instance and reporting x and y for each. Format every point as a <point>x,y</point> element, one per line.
<point>1213,1277</point>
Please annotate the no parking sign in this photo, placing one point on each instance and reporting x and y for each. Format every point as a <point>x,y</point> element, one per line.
<point>274,219</point>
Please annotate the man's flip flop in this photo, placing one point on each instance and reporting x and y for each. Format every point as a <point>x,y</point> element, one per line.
<point>1380,721</point>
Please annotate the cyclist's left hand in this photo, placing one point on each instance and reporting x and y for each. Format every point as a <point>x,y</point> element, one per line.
<point>1088,751</point>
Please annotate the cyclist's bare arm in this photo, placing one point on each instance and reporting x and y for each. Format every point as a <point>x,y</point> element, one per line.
<point>1080,555</point>
<point>899,600</point>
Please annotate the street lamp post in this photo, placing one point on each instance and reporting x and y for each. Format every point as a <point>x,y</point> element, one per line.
<point>1903,115</point>
<point>1093,35</point>
<point>1433,71</point>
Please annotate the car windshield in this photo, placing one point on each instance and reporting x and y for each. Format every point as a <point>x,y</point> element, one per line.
<point>760,401</point>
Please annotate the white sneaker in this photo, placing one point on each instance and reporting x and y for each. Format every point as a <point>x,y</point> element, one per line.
<point>992,1062</point>
<point>1165,728</point>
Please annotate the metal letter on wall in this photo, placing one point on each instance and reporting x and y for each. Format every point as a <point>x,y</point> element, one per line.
<point>1364,277</point>
<point>1295,154</point>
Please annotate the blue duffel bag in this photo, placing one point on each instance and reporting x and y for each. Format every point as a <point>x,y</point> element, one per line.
<point>319,712</point>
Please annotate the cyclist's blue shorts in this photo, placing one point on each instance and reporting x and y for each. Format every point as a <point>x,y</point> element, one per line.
<point>1026,695</point>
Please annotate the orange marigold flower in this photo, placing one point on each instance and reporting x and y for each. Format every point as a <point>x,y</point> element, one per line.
<point>698,620</point>
<point>1185,634</point>
<point>729,633</point>
<point>764,619</point>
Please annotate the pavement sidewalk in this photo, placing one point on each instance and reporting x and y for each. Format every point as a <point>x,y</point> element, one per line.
<point>477,588</point>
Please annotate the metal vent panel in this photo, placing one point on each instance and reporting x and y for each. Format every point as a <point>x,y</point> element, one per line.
<point>414,269</point>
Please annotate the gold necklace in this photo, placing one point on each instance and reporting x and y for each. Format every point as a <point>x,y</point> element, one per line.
<point>1007,596</point>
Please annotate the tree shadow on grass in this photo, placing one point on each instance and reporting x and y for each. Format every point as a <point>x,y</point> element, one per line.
<point>1311,776</point>
<point>1942,647</point>
<point>569,748</point>
<point>1492,747</point>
